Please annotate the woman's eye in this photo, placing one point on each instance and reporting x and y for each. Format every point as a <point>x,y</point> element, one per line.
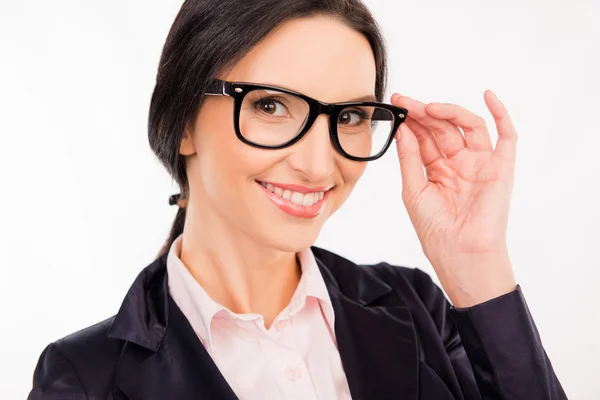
<point>351,117</point>
<point>271,106</point>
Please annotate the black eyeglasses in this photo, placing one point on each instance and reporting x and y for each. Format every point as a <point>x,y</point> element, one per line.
<point>270,117</point>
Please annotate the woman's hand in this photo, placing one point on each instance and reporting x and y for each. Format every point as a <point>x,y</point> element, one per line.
<point>459,204</point>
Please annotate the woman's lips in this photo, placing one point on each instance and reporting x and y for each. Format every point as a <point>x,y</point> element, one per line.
<point>293,209</point>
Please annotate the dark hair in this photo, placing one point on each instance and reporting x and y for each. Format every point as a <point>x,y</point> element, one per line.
<point>209,36</point>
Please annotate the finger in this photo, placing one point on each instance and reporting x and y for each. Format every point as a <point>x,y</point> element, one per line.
<point>430,151</point>
<point>411,164</point>
<point>506,146</point>
<point>476,133</point>
<point>448,136</point>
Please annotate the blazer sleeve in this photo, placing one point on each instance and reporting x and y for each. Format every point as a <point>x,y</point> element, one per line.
<point>497,342</point>
<point>55,377</point>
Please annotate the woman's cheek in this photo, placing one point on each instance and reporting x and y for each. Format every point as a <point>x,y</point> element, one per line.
<point>351,174</point>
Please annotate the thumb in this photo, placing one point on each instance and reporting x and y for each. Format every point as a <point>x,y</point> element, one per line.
<point>411,164</point>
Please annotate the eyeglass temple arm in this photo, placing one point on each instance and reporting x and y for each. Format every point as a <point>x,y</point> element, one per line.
<point>216,88</point>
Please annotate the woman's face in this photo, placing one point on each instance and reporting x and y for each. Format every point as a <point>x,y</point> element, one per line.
<point>317,56</point>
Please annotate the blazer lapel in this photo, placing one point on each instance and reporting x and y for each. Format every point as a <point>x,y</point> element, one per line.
<point>163,358</point>
<point>377,343</point>
<point>180,369</point>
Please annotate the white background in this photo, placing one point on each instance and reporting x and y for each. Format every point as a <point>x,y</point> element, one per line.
<point>84,201</point>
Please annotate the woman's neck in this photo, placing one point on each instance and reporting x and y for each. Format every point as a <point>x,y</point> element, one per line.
<point>236,271</point>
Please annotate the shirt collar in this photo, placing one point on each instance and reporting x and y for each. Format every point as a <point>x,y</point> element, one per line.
<point>312,284</point>
<point>190,297</point>
<point>200,309</point>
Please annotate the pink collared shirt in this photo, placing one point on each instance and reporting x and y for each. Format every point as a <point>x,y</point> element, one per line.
<point>296,358</point>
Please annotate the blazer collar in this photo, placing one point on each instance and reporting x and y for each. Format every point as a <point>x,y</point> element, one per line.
<point>143,316</point>
<point>374,331</point>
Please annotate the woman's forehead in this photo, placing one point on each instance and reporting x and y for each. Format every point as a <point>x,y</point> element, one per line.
<point>318,56</point>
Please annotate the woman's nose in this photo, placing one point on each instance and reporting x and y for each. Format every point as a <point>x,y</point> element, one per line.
<point>314,155</point>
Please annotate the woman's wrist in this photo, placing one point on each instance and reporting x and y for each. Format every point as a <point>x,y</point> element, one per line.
<point>473,279</point>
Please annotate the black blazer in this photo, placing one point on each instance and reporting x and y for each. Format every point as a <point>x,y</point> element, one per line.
<point>398,338</point>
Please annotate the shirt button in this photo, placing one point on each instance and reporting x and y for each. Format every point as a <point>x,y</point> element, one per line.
<point>293,373</point>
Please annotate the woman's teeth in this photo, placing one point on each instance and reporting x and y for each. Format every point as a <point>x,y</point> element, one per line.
<point>301,199</point>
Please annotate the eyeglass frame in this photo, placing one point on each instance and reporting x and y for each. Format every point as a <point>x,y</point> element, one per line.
<point>238,90</point>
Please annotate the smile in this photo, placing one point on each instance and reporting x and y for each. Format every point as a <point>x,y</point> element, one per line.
<point>295,200</point>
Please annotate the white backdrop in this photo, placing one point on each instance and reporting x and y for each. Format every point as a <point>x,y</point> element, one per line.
<point>84,202</point>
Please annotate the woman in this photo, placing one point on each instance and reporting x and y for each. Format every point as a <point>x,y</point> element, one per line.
<point>266,113</point>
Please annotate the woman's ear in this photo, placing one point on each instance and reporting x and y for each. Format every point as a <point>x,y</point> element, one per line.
<point>187,147</point>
